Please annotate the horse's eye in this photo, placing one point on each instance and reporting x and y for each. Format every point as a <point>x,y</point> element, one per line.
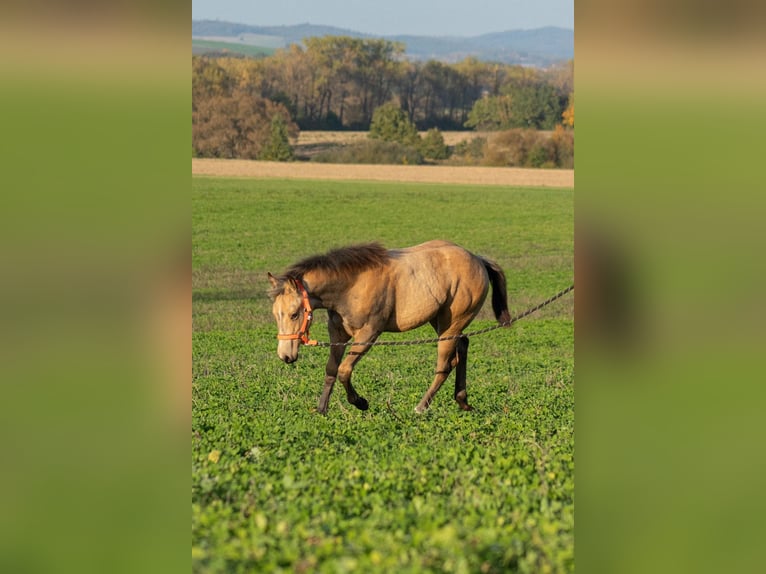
<point>294,316</point>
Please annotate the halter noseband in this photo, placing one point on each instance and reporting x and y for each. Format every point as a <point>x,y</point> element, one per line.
<point>308,315</point>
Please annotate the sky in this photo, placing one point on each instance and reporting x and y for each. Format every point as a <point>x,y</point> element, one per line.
<point>392,17</point>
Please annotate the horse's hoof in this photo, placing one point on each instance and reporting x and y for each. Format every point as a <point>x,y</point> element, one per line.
<point>420,410</point>
<point>466,407</point>
<point>361,404</point>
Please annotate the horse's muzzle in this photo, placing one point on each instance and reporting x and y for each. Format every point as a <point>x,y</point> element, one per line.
<point>288,351</point>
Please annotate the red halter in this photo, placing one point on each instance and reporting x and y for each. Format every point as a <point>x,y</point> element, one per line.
<point>308,315</point>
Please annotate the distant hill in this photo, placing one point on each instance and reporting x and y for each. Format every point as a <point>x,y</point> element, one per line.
<point>537,47</point>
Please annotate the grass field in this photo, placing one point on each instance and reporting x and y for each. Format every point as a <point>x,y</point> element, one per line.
<point>217,46</point>
<point>276,487</point>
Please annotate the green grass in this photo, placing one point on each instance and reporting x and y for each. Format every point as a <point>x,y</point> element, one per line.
<point>384,490</point>
<point>231,47</point>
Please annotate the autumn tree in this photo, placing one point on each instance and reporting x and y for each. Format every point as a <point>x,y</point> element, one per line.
<point>568,115</point>
<point>374,74</point>
<point>293,79</point>
<point>407,84</point>
<point>336,82</point>
<point>334,60</point>
<point>209,78</point>
<point>472,73</point>
<point>236,125</point>
<point>560,76</point>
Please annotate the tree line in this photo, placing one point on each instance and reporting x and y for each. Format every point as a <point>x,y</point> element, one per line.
<point>337,82</point>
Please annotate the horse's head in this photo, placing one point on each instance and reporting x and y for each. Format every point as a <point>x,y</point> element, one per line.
<point>293,314</point>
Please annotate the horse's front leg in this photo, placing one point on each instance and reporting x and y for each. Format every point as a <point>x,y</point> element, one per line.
<point>338,336</point>
<point>357,351</point>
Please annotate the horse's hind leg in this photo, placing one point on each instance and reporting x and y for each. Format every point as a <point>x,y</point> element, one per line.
<point>461,396</point>
<point>445,362</point>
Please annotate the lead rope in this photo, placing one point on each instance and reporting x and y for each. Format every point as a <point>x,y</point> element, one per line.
<point>508,323</point>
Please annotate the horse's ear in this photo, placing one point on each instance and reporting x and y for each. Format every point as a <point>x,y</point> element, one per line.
<point>273,280</point>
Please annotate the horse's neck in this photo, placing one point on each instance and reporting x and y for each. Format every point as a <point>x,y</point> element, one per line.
<point>324,288</point>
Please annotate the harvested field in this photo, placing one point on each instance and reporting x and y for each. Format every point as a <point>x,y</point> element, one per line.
<point>506,176</point>
<point>310,137</point>
<point>310,143</point>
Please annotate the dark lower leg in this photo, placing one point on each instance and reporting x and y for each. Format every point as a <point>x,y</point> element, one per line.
<point>461,396</point>
<point>324,399</point>
<point>352,396</point>
<point>347,367</point>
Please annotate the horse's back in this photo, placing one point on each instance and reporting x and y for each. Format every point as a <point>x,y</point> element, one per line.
<point>428,245</point>
<point>435,276</point>
<point>439,258</point>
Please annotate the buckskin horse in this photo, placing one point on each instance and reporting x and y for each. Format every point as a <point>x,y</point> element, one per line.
<point>368,290</point>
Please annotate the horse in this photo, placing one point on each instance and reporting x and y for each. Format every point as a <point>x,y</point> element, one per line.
<point>368,289</point>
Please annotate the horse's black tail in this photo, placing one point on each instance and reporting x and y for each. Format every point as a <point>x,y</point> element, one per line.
<point>499,295</point>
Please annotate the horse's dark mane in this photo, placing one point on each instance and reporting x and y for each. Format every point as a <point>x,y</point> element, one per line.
<point>344,262</point>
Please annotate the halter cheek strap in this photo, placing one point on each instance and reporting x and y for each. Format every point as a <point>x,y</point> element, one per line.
<point>308,315</point>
